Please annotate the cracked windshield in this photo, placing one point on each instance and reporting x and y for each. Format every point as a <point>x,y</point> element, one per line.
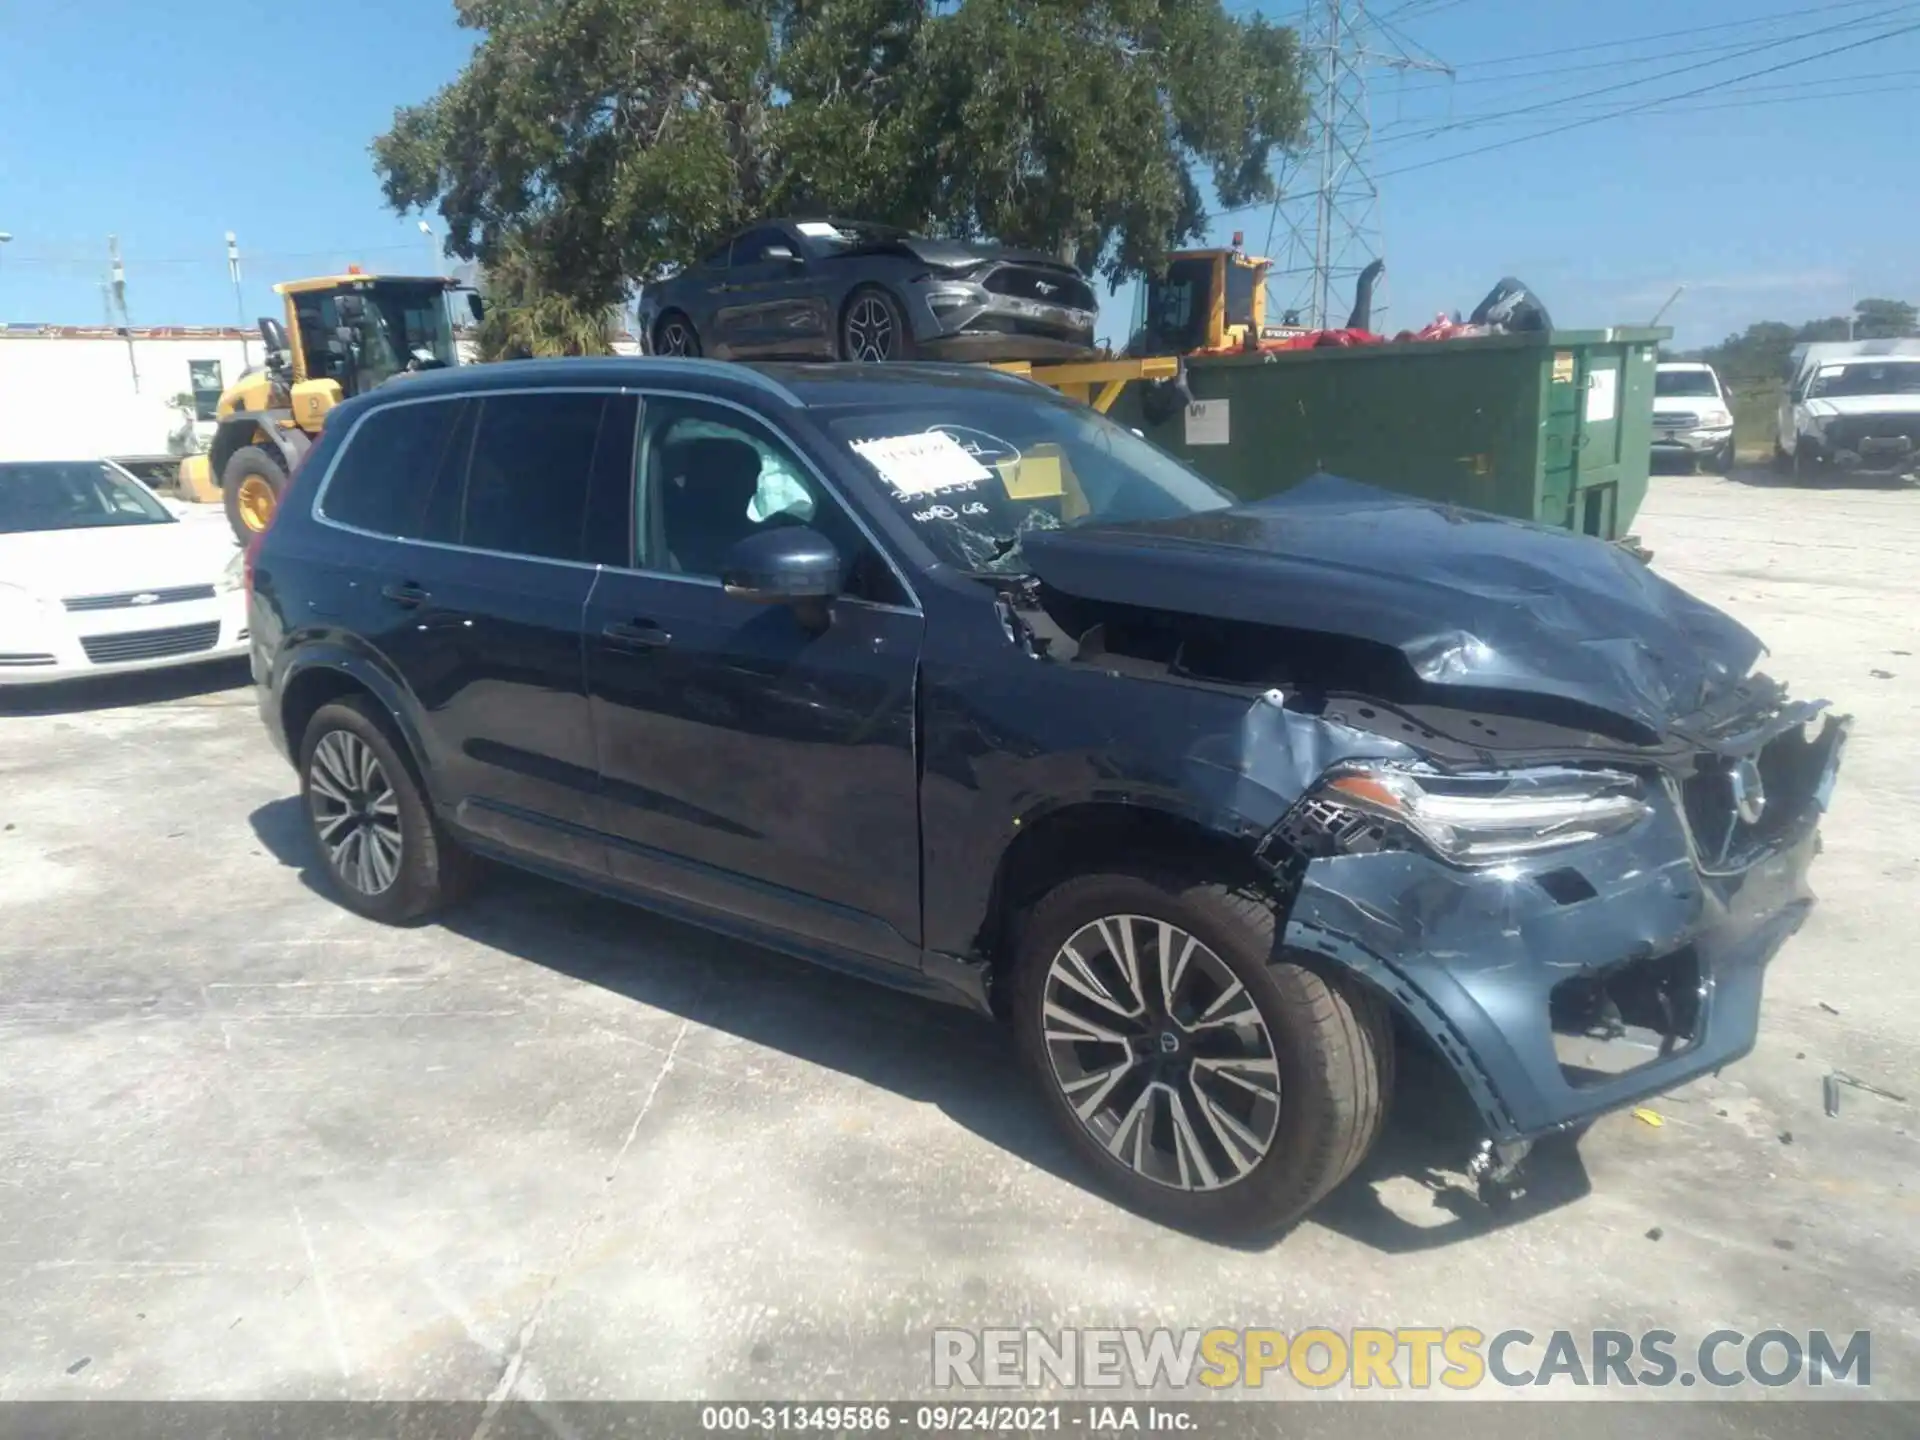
<point>977,474</point>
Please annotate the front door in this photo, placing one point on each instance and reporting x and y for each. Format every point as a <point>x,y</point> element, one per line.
<point>776,303</point>
<point>750,765</point>
<point>475,598</point>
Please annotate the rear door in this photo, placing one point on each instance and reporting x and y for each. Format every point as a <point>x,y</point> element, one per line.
<point>751,766</point>
<point>481,529</point>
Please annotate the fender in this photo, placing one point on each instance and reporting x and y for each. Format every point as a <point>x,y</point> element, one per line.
<point>370,671</point>
<point>238,429</point>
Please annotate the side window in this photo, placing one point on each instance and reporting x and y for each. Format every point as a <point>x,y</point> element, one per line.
<point>751,248</point>
<point>400,473</point>
<point>532,468</point>
<point>711,478</point>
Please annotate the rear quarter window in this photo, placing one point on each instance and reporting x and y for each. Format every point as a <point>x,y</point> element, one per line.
<point>393,464</point>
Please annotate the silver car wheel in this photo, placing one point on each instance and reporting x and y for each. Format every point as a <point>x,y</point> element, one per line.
<point>1160,1051</point>
<point>870,329</point>
<point>355,812</point>
<point>677,338</point>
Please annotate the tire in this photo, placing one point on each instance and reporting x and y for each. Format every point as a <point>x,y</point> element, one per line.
<point>874,328</point>
<point>1328,1046</point>
<point>676,335</point>
<point>1720,462</point>
<point>1782,461</point>
<point>423,869</point>
<point>1808,468</point>
<point>251,485</point>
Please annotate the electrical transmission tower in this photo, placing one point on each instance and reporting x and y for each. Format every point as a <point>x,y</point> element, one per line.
<point>1327,215</point>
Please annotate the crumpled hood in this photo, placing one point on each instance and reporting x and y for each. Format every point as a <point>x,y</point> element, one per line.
<point>959,254</point>
<point>1471,600</point>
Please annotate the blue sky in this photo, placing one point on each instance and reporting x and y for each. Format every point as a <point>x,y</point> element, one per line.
<point>1781,196</point>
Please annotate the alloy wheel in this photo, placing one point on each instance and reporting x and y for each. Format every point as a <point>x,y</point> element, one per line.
<point>1160,1051</point>
<point>870,329</point>
<point>355,812</point>
<point>677,338</point>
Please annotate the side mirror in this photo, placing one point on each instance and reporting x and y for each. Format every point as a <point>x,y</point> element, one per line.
<point>777,254</point>
<point>476,307</point>
<point>792,565</point>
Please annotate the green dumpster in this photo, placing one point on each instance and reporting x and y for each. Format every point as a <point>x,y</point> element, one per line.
<point>1553,427</point>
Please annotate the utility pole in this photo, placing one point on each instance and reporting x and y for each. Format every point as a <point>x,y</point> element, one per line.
<point>239,303</point>
<point>118,281</point>
<point>1328,225</point>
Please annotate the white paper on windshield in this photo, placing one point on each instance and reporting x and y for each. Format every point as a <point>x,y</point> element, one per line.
<point>815,230</point>
<point>1602,389</point>
<point>923,464</point>
<point>1209,422</point>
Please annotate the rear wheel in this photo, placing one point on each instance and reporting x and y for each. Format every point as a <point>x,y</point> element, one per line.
<point>675,335</point>
<point>378,840</point>
<point>872,327</point>
<point>1214,1084</point>
<point>251,485</point>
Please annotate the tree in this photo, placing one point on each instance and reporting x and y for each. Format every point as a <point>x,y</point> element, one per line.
<point>526,319</point>
<point>613,139</point>
<point>1884,319</point>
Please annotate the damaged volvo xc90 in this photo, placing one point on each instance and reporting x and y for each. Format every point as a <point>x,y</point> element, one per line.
<point>926,673</point>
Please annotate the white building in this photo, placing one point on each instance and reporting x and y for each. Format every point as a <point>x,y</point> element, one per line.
<point>71,390</point>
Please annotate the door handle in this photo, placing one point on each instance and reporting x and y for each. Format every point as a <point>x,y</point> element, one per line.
<point>638,635</point>
<point>406,593</point>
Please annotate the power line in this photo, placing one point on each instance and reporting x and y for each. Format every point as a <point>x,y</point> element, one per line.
<point>1784,85</point>
<point>1745,23</point>
<point>1639,107</point>
<point>1619,85</point>
<point>281,258</point>
<point>1651,104</point>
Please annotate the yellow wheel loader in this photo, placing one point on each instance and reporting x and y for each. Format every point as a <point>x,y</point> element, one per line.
<point>343,335</point>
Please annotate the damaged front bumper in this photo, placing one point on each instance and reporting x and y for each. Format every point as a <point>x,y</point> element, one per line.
<point>1576,982</point>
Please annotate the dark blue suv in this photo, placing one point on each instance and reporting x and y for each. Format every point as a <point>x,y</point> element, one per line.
<point>926,673</point>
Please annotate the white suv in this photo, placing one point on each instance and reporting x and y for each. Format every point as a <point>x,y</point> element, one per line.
<point>1692,415</point>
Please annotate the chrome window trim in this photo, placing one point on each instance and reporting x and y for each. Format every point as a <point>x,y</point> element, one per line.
<point>326,481</point>
<point>833,491</point>
<point>640,393</point>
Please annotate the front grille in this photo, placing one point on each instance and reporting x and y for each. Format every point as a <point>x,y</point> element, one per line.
<point>1676,420</point>
<point>1858,432</point>
<point>126,600</point>
<point>151,644</point>
<point>1790,767</point>
<point>1049,287</point>
<point>21,661</point>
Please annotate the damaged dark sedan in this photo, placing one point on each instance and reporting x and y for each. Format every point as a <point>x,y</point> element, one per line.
<point>930,675</point>
<point>848,290</point>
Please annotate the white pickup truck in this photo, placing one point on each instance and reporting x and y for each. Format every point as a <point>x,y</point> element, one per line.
<point>1692,416</point>
<point>1851,405</point>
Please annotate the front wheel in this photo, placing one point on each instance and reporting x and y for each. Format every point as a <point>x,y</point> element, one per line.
<point>873,328</point>
<point>378,840</point>
<point>675,335</point>
<point>251,484</point>
<point>1213,1083</point>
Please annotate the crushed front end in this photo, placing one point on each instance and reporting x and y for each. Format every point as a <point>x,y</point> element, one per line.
<point>1608,945</point>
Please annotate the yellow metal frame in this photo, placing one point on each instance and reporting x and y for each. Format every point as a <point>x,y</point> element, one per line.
<point>1094,382</point>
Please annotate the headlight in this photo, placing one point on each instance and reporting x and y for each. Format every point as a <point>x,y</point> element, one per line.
<point>1716,419</point>
<point>234,576</point>
<point>1485,819</point>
